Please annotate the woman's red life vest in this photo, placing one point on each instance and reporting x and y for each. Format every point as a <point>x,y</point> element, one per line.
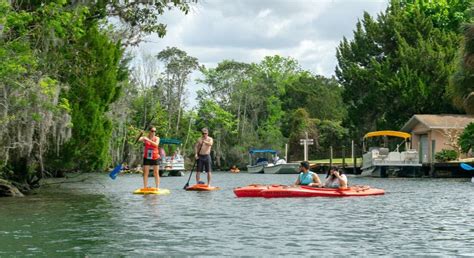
<point>151,151</point>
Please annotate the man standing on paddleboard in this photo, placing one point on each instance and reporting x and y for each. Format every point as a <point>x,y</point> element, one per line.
<point>202,151</point>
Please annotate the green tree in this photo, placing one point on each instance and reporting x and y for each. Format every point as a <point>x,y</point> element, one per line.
<point>466,139</point>
<point>221,125</point>
<point>399,64</point>
<point>320,96</point>
<point>228,84</point>
<point>461,87</point>
<point>302,126</point>
<point>178,68</point>
<point>92,91</point>
<point>34,119</point>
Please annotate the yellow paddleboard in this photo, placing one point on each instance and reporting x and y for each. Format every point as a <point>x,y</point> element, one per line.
<point>152,190</point>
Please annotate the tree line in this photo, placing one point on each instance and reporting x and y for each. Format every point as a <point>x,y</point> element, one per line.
<point>74,98</point>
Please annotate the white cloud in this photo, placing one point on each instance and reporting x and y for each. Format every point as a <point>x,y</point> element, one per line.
<point>248,30</point>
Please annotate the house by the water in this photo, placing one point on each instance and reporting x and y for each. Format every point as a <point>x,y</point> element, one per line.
<point>413,151</point>
<point>434,133</point>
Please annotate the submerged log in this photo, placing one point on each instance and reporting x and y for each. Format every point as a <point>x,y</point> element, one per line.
<point>8,190</point>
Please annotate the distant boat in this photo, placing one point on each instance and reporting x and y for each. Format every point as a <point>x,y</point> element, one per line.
<point>173,163</point>
<point>381,162</point>
<point>283,168</point>
<point>255,168</point>
<point>260,163</point>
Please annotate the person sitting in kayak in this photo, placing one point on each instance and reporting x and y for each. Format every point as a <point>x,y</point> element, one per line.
<point>335,178</point>
<point>307,177</point>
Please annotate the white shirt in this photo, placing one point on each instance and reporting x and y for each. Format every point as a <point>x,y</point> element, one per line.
<point>334,182</point>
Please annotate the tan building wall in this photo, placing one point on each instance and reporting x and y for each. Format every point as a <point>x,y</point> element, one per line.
<point>437,135</point>
<point>415,134</point>
<point>428,135</point>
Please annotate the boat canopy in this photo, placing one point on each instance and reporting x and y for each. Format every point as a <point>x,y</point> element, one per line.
<point>170,141</point>
<point>388,133</point>
<point>263,151</point>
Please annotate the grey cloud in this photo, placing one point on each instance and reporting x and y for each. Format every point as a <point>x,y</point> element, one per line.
<point>218,30</point>
<point>236,23</point>
<point>341,18</point>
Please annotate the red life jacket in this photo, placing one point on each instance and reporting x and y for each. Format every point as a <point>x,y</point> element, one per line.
<point>151,151</point>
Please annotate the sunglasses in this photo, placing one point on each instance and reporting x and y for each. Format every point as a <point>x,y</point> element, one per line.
<point>152,131</point>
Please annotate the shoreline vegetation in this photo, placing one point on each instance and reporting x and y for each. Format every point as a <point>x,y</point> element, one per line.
<point>73,100</point>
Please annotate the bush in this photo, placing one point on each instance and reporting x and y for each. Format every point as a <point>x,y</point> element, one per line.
<point>466,139</point>
<point>446,155</point>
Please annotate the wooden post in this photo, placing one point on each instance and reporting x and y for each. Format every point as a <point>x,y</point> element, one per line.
<point>343,156</point>
<point>330,156</point>
<point>354,161</point>
<point>286,152</point>
<point>305,142</point>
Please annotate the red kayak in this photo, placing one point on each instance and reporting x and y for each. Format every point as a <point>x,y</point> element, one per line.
<point>201,187</point>
<point>306,191</point>
<point>254,190</point>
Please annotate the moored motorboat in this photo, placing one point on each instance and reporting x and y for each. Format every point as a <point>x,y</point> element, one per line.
<point>286,168</point>
<point>380,161</point>
<point>257,165</point>
<point>172,164</point>
<point>255,168</point>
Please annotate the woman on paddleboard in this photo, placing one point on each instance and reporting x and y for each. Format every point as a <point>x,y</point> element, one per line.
<point>307,177</point>
<point>151,156</point>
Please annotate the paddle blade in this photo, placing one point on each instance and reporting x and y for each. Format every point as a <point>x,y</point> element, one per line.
<point>186,186</point>
<point>115,172</point>
<point>466,166</point>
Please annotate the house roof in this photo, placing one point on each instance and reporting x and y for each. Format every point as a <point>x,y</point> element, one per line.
<point>445,121</point>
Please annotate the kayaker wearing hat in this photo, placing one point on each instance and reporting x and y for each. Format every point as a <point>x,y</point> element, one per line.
<point>203,155</point>
<point>307,177</point>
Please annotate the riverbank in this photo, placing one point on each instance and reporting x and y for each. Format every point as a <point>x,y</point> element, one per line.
<point>7,189</point>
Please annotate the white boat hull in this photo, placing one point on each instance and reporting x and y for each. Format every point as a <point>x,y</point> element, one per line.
<point>172,167</point>
<point>255,168</point>
<point>287,168</point>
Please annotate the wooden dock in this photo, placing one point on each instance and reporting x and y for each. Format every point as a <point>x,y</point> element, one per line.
<point>434,170</point>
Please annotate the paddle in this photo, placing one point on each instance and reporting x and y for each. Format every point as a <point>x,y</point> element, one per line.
<point>194,165</point>
<point>118,168</point>
<point>466,166</point>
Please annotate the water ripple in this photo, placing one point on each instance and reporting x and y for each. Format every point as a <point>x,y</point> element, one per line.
<point>430,217</point>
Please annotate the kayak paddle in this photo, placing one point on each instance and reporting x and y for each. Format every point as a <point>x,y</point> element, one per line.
<point>187,183</point>
<point>194,165</point>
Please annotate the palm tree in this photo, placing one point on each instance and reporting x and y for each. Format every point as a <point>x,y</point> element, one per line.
<point>462,82</point>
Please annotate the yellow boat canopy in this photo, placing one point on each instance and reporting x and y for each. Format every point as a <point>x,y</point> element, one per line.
<point>388,133</point>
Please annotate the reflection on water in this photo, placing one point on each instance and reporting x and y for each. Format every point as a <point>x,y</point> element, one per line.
<point>102,216</point>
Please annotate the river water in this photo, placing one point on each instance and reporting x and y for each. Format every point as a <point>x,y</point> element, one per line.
<point>94,215</point>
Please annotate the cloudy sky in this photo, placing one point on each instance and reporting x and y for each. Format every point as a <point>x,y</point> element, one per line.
<point>248,30</point>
